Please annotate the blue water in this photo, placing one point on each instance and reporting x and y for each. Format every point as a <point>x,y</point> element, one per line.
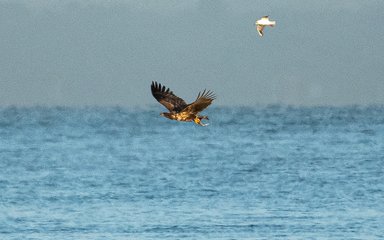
<point>270,172</point>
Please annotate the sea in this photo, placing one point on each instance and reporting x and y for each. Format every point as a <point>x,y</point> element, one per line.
<point>263,172</point>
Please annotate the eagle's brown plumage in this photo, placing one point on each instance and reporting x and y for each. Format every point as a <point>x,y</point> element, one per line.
<point>178,109</point>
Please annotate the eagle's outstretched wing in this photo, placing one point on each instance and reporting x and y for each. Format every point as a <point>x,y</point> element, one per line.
<point>203,100</point>
<point>166,97</point>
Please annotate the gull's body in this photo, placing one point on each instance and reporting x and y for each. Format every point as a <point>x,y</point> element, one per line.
<point>262,22</point>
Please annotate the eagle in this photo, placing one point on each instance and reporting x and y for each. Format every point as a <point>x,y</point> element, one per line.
<point>178,109</point>
<point>261,23</point>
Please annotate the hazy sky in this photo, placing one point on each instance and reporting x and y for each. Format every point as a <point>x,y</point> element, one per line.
<point>79,52</point>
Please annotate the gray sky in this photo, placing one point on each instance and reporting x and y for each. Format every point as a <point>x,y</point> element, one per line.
<point>107,52</point>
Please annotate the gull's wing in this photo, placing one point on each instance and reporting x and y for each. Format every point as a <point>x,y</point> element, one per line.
<point>166,97</point>
<point>259,29</point>
<point>203,100</point>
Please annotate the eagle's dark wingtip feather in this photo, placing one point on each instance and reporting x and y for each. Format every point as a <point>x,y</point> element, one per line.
<point>157,87</point>
<point>153,87</point>
<point>207,94</point>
